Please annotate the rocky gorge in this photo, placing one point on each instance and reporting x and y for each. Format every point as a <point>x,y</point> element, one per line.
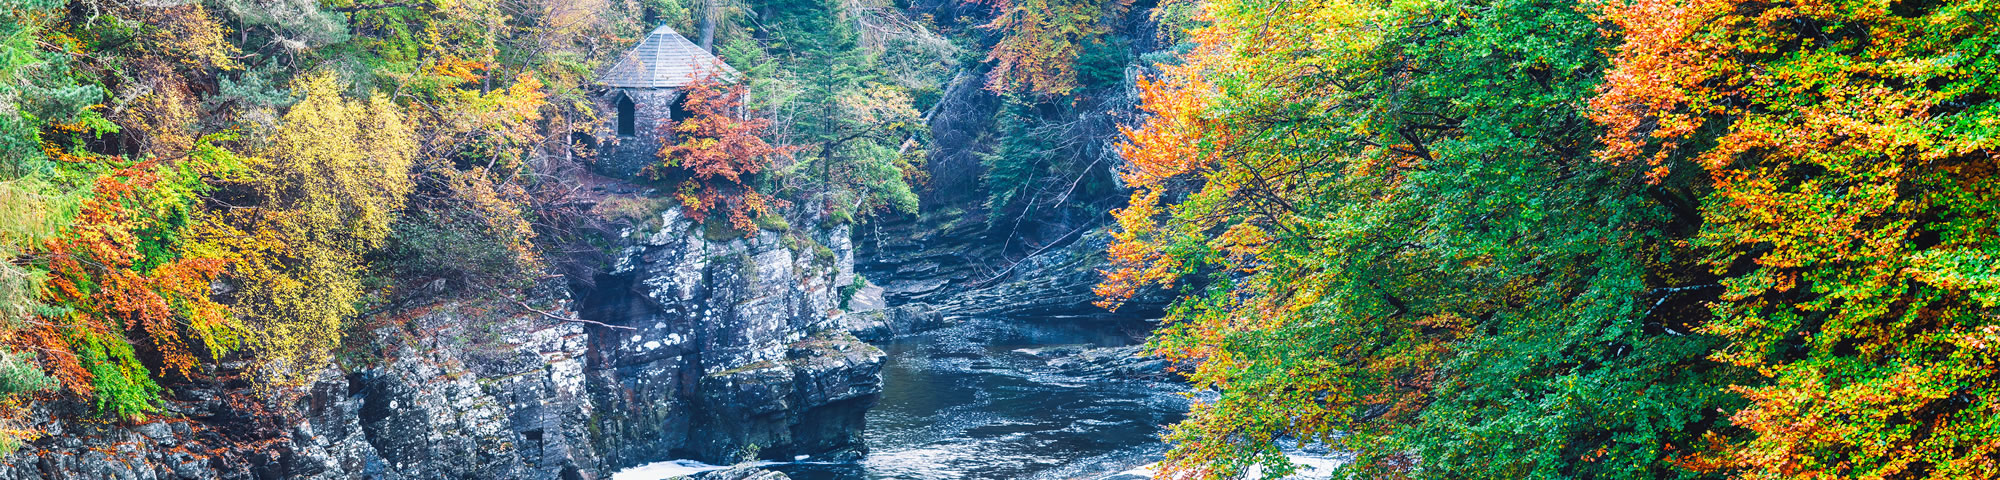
<point>694,342</point>
<point>690,345</point>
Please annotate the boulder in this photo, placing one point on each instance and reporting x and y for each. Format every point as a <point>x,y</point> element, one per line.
<point>742,473</point>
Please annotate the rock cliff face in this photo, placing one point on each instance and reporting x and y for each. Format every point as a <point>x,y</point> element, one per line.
<point>932,271</point>
<point>457,393</point>
<point>713,350</point>
<point>465,395</point>
<point>736,349</point>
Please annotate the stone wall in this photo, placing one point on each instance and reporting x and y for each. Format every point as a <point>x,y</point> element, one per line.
<point>625,156</point>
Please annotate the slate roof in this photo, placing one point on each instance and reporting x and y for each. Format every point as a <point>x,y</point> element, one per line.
<point>665,59</point>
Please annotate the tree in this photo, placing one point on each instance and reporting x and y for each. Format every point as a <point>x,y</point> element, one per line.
<point>151,232</point>
<point>322,192</point>
<point>1851,149</point>
<point>120,276</point>
<point>463,229</point>
<point>840,80</point>
<point>96,278</point>
<point>1389,238</point>
<point>109,290</point>
<point>1041,41</point>
<point>857,154</point>
<point>39,92</point>
<point>716,148</point>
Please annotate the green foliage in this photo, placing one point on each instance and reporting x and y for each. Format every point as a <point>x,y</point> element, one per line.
<point>1408,251</point>
<point>37,90</point>
<point>299,24</point>
<point>1042,42</point>
<point>1024,161</point>
<point>216,204</point>
<point>255,97</point>
<point>1462,242</point>
<point>1102,64</point>
<point>18,375</point>
<point>847,291</point>
<point>748,453</point>
<point>122,388</point>
<point>719,230</point>
<point>1849,149</point>
<point>823,256</point>
<point>1045,159</point>
<point>117,279</point>
<point>640,211</point>
<point>838,218</point>
<point>1573,239</point>
<point>427,244</point>
<point>464,230</point>
<point>847,94</point>
<point>1060,67</point>
<point>29,215</point>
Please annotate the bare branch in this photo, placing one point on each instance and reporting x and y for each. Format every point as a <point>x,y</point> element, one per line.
<point>560,318</point>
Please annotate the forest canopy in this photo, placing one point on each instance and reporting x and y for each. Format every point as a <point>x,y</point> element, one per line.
<point>1624,239</point>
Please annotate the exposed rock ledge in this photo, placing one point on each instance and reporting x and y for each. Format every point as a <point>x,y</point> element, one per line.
<point>930,274</point>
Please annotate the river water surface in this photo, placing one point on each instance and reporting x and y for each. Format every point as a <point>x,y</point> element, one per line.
<point>979,401</point>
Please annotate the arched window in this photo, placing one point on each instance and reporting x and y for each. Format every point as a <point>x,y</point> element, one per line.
<point>628,123</point>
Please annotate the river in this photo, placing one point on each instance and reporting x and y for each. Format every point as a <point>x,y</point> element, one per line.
<point>981,401</point>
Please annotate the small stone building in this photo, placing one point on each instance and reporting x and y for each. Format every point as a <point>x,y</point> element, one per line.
<point>641,94</point>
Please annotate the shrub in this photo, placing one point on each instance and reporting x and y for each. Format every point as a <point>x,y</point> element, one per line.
<point>847,291</point>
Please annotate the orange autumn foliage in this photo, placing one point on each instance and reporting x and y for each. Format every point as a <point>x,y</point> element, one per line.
<point>1167,146</point>
<point>113,290</point>
<point>1852,151</point>
<point>717,148</point>
<point>1042,40</point>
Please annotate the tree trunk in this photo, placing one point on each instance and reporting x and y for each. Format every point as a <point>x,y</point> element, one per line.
<point>709,11</point>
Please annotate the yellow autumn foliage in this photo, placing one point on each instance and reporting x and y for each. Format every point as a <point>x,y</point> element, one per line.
<point>326,188</point>
<point>29,215</point>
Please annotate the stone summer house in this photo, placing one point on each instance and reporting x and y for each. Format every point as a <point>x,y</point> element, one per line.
<point>640,96</point>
